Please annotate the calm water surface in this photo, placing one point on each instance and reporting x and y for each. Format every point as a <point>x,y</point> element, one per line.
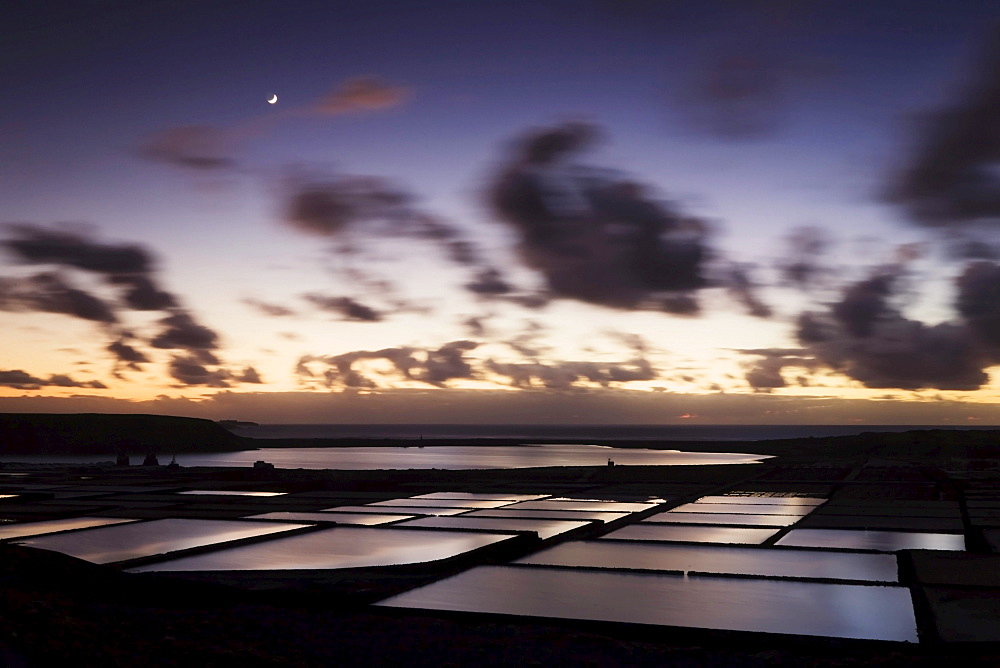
<point>772,606</point>
<point>439,457</point>
<point>341,547</point>
<point>727,560</point>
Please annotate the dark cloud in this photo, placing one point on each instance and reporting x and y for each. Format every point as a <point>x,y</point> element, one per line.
<point>189,370</point>
<point>339,370</point>
<point>180,332</point>
<point>142,294</point>
<point>51,293</point>
<point>765,374</point>
<point>595,235</point>
<point>249,375</point>
<point>489,282</point>
<point>448,362</point>
<point>433,366</point>
<point>865,337</point>
<point>567,375</point>
<point>326,207</point>
<point>802,266</point>
<point>476,326</point>
<point>62,380</point>
<point>345,307</point>
<point>275,310</point>
<point>126,269</point>
<point>458,249</point>
<point>20,380</point>
<point>746,291</point>
<point>863,303</point>
<point>126,266</point>
<point>38,245</point>
<point>951,177</point>
<point>978,302</point>
<point>438,366</point>
<point>126,353</point>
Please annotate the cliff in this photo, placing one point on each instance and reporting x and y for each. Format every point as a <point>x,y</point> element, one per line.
<point>93,433</point>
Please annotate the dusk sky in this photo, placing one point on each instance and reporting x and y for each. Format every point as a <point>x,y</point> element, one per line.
<point>595,211</point>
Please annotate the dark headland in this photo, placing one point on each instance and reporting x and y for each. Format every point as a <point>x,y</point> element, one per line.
<point>58,610</point>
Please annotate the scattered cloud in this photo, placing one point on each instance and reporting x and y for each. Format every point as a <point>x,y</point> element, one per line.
<point>21,380</point>
<point>51,293</point>
<point>345,307</point>
<point>268,308</point>
<point>190,371</point>
<point>951,177</point>
<point>361,94</point>
<point>865,337</point>
<point>181,332</point>
<point>595,235</point>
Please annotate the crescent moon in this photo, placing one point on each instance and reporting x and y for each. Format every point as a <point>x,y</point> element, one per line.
<point>273,99</point>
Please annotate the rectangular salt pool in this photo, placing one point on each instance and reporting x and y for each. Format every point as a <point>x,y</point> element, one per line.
<point>587,506</point>
<point>548,514</point>
<point>544,528</point>
<point>769,606</point>
<point>671,517</point>
<point>397,510</point>
<point>230,492</point>
<point>143,539</point>
<point>788,501</point>
<point>485,496</point>
<point>443,503</point>
<point>339,547</point>
<point>881,541</point>
<point>725,560</point>
<point>23,529</point>
<point>751,508</point>
<point>367,519</point>
<point>692,534</point>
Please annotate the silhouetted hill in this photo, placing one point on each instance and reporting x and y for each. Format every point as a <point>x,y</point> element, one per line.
<point>93,433</point>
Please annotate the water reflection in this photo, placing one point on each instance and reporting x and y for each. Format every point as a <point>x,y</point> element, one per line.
<point>397,510</point>
<point>550,514</point>
<point>442,503</point>
<point>51,526</point>
<point>771,606</point>
<point>544,528</point>
<point>586,506</point>
<point>787,501</point>
<point>753,508</point>
<point>692,534</point>
<point>730,560</point>
<point>473,496</point>
<point>230,492</point>
<point>340,547</point>
<point>882,541</point>
<point>339,518</point>
<point>724,518</point>
<point>461,457</point>
<point>142,539</point>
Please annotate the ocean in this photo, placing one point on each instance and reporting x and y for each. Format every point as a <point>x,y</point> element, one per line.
<point>574,432</point>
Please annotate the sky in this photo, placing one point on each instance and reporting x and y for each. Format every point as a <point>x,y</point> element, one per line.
<point>438,211</point>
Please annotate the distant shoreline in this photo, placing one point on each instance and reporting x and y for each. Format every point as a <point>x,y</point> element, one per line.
<point>917,441</point>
